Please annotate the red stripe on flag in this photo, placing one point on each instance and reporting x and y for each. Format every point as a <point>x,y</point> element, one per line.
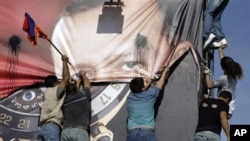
<point>33,30</point>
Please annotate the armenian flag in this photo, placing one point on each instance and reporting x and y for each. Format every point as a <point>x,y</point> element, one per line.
<point>33,30</point>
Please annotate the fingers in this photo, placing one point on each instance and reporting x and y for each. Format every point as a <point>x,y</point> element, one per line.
<point>82,72</point>
<point>165,68</point>
<point>206,71</point>
<point>65,58</point>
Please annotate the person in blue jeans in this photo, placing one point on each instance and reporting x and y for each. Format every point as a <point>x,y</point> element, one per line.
<point>77,110</point>
<point>140,107</point>
<point>212,30</point>
<point>50,122</point>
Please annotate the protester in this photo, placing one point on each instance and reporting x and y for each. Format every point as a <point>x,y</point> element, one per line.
<point>76,110</point>
<point>51,114</point>
<point>212,30</point>
<point>227,81</point>
<point>213,116</point>
<point>140,106</point>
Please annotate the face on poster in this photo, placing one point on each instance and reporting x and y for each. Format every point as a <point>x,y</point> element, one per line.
<point>112,41</point>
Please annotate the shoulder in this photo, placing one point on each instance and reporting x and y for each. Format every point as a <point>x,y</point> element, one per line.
<point>153,88</point>
<point>223,105</point>
<point>152,92</point>
<point>208,100</point>
<point>220,81</point>
<point>133,97</point>
<point>50,90</point>
<point>223,77</point>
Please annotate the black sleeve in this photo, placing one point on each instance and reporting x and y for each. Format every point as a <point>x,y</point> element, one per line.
<point>87,93</point>
<point>224,107</point>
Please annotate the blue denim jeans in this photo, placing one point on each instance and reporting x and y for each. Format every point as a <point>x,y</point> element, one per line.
<point>49,132</point>
<point>74,134</point>
<point>212,19</point>
<point>141,135</point>
<point>206,136</point>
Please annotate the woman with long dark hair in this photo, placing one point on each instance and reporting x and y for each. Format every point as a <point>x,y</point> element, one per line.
<point>227,81</point>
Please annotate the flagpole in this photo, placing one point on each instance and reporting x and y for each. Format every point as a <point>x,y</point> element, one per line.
<point>56,49</point>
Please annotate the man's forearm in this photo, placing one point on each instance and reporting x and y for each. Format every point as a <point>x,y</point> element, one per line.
<point>209,82</point>
<point>225,125</point>
<point>65,74</point>
<point>161,81</point>
<point>85,80</point>
<point>65,69</point>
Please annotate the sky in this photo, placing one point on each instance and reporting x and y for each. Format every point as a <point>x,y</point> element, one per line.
<point>236,26</point>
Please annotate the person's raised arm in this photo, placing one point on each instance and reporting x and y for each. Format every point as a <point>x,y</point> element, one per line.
<point>65,74</point>
<point>162,79</point>
<point>85,80</point>
<point>147,83</point>
<point>221,53</point>
<point>224,124</point>
<point>209,82</point>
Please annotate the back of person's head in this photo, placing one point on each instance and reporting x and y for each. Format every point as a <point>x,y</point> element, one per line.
<point>136,85</point>
<point>71,88</point>
<point>225,95</point>
<point>50,80</point>
<point>231,68</point>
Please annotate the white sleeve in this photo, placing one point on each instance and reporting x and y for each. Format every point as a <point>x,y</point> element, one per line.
<point>231,106</point>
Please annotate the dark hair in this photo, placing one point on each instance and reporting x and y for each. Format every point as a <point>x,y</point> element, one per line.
<point>50,80</point>
<point>71,88</point>
<point>231,68</point>
<point>136,85</point>
<point>226,94</point>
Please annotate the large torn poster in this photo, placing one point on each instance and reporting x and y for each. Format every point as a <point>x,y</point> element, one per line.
<point>113,41</point>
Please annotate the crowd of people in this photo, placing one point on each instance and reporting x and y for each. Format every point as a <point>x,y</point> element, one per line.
<point>65,112</point>
<point>66,109</point>
<point>214,113</point>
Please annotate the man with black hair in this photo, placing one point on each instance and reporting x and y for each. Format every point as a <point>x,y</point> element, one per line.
<point>140,106</point>
<point>51,114</point>
<point>76,110</point>
<point>213,116</point>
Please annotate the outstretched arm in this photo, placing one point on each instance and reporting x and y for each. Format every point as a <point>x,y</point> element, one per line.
<point>85,80</point>
<point>86,83</point>
<point>209,82</point>
<point>161,81</point>
<point>147,83</point>
<point>221,53</point>
<point>65,75</point>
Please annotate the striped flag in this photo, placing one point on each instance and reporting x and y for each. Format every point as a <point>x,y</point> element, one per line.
<point>33,30</point>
